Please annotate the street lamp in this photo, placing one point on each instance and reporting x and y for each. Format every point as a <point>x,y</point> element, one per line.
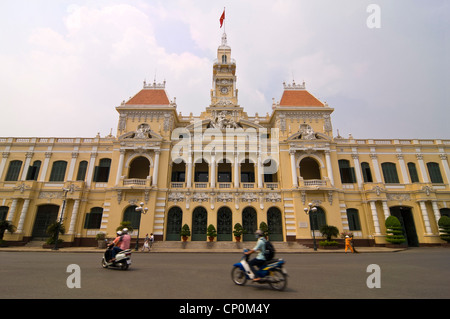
<point>141,210</point>
<point>310,211</point>
<point>58,224</point>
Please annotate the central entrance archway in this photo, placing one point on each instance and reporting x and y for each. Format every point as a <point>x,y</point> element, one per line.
<point>45,216</point>
<point>275,224</point>
<point>405,216</point>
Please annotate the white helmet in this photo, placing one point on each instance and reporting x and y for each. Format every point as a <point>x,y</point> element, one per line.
<point>119,233</point>
<point>125,230</point>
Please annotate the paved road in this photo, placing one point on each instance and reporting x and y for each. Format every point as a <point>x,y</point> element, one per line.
<point>414,273</point>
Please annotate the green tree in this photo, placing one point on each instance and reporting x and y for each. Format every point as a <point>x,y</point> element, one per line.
<point>394,231</point>
<point>329,231</point>
<point>444,227</point>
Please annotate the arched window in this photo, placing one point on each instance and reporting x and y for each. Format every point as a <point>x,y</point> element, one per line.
<point>131,215</point>
<point>3,212</point>
<point>347,172</point>
<point>367,175</point>
<point>309,168</point>
<point>353,219</point>
<point>390,173</point>
<point>94,218</point>
<point>13,171</point>
<point>413,172</point>
<point>224,59</point>
<point>434,172</point>
<point>101,173</point>
<point>139,168</point>
<point>58,171</point>
<point>317,219</point>
<point>33,171</point>
<point>82,168</point>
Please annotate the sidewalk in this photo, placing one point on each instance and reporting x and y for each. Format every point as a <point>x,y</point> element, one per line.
<point>204,248</point>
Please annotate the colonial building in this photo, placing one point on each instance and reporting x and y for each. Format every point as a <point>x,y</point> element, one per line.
<point>223,167</point>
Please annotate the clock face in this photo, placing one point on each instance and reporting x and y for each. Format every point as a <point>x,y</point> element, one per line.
<point>224,90</point>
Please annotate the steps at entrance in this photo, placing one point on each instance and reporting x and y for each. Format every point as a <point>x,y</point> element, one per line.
<point>224,246</point>
<point>35,244</point>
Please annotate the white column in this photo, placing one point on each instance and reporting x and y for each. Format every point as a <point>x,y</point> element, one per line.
<point>12,210</point>
<point>212,170</point>
<point>91,168</point>
<point>426,221</point>
<point>385,210</point>
<point>329,167</point>
<point>45,166</point>
<point>23,214</point>
<point>260,172</point>
<point>3,163</point>
<point>156,169</point>
<point>376,168</point>
<point>437,213</point>
<point>29,155</point>
<point>73,219</point>
<point>445,165</point>
<point>120,166</point>
<point>70,176</point>
<point>357,169</point>
<point>403,169</point>
<point>189,172</point>
<point>294,169</point>
<point>423,171</point>
<point>236,171</point>
<point>376,224</point>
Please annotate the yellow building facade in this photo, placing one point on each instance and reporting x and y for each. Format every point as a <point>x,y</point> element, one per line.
<point>223,167</point>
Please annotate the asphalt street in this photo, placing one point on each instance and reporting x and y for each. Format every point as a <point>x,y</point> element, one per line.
<point>414,273</point>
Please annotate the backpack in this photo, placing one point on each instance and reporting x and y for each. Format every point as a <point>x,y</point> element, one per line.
<point>270,251</point>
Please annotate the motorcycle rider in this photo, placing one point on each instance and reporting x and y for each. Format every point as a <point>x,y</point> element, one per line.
<point>260,258</point>
<point>126,239</point>
<point>113,247</point>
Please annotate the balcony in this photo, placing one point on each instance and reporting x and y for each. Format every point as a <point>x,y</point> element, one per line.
<point>140,182</point>
<point>314,183</point>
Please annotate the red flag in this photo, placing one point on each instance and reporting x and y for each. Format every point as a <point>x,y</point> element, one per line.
<point>222,17</point>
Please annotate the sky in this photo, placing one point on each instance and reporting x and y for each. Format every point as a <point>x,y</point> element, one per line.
<point>65,65</point>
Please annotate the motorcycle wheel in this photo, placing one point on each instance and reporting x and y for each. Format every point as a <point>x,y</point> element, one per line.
<point>124,266</point>
<point>238,276</point>
<point>104,265</point>
<point>278,280</point>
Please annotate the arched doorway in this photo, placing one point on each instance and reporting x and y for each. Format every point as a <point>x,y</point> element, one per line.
<point>275,223</point>
<point>46,215</point>
<point>132,216</point>
<point>249,223</point>
<point>224,224</point>
<point>174,219</point>
<point>199,220</point>
<point>405,216</point>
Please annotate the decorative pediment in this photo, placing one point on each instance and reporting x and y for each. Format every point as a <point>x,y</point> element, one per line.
<point>143,132</point>
<point>306,133</point>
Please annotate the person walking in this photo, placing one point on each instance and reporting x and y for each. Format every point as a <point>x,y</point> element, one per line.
<point>146,243</point>
<point>348,244</point>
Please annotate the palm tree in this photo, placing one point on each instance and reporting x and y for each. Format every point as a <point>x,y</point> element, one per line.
<point>6,225</point>
<point>329,231</point>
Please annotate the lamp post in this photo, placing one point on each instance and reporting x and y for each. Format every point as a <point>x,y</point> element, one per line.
<point>58,224</point>
<point>141,210</point>
<point>311,211</point>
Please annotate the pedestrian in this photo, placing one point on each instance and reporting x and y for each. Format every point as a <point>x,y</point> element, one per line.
<point>146,243</point>
<point>348,243</point>
<point>152,239</point>
<point>353,244</point>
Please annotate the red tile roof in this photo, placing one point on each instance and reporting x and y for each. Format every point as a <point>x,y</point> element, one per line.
<point>299,98</point>
<point>149,97</point>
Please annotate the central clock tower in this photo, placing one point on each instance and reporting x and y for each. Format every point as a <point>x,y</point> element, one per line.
<point>224,92</point>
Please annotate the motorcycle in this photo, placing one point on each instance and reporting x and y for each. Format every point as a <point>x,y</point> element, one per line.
<point>272,272</point>
<point>122,260</point>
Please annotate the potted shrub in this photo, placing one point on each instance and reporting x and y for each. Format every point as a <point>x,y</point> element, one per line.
<point>328,232</point>
<point>394,232</point>
<point>101,240</point>
<point>444,228</point>
<point>5,225</point>
<point>211,232</point>
<point>185,232</point>
<point>238,231</point>
<point>263,226</point>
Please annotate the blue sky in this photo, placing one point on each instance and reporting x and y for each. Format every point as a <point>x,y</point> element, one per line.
<point>66,65</point>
